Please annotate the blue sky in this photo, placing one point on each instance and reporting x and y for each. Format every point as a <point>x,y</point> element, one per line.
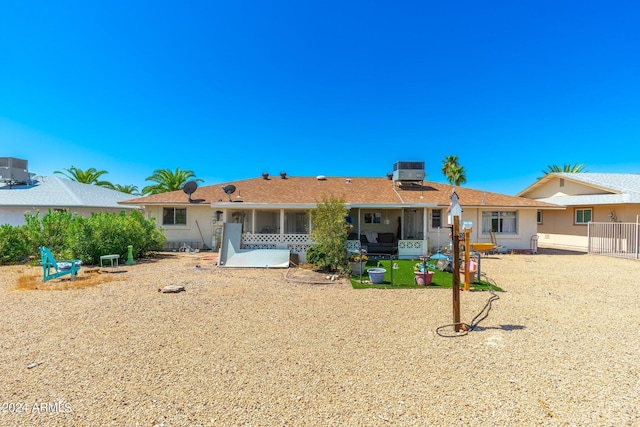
<point>231,89</point>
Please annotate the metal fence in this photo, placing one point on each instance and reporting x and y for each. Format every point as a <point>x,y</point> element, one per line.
<point>618,239</point>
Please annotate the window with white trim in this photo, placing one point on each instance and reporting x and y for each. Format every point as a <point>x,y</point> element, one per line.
<point>539,217</point>
<point>583,216</point>
<point>500,221</point>
<point>174,216</point>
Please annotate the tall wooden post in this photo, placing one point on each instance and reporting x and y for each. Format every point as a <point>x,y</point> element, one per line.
<point>456,273</point>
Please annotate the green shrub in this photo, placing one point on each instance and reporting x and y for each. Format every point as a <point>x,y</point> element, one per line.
<point>13,245</point>
<point>108,233</point>
<point>50,231</point>
<point>74,236</point>
<point>328,231</point>
<point>317,257</point>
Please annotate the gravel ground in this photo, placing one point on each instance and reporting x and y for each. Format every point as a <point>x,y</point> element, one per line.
<point>246,347</point>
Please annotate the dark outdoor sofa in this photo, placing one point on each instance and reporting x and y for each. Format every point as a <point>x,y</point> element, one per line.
<point>386,243</point>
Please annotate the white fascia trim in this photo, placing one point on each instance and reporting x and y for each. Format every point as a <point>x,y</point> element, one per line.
<point>241,205</point>
<point>391,205</point>
<point>244,205</point>
<point>518,208</point>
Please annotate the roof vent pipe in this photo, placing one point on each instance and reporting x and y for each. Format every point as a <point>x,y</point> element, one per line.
<point>283,175</point>
<point>265,175</point>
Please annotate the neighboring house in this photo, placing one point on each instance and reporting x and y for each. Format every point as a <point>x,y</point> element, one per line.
<point>589,197</point>
<point>42,193</point>
<point>273,212</point>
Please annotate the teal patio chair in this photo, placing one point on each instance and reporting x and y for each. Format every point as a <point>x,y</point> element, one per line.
<point>52,268</point>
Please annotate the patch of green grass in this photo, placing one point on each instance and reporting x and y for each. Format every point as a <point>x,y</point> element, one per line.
<point>404,277</point>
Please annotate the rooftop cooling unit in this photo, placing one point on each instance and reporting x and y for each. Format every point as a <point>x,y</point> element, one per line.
<point>408,171</point>
<point>13,171</point>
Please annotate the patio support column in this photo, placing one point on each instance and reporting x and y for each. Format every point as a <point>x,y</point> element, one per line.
<point>253,221</point>
<point>281,223</point>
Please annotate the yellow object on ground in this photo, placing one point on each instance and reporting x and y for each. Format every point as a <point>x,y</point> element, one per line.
<point>481,247</point>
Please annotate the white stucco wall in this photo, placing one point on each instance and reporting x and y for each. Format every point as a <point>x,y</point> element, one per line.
<point>563,241</point>
<point>12,216</point>
<point>197,216</point>
<point>526,228</point>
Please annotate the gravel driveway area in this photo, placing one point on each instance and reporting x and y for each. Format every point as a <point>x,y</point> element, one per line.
<point>269,347</point>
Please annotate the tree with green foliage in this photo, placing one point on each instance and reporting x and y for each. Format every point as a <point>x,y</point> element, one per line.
<point>51,231</point>
<point>167,180</point>
<point>71,236</point>
<point>568,168</point>
<point>451,169</point>
<point>14,245</point>
<point>329,232</point>
<point>108,233</point>
<point>89,176</point>
<point>129,189</point>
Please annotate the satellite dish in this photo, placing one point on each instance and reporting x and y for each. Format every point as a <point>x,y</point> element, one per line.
<point>229,189</point>
<point>190,188</point>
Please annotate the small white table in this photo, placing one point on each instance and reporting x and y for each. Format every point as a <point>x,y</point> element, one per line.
<point>111,258</point>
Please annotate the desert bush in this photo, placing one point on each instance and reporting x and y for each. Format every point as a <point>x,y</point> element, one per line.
<point>13,245</point>
<point>51,231</point>
<point>328,231</point>
<point>78,237</point>
<point>108,233</point>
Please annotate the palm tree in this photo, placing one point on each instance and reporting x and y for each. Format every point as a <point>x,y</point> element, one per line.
<point>167,180</point>
<point>129,189</point>
<point>90,176</point>
<point>451,169</point>
<point>457,176</point>
<point>575,168</point>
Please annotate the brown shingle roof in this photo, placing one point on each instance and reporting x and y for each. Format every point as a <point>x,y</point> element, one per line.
<point>354,191</point>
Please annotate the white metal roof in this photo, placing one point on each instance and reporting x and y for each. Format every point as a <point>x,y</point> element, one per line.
<point>61,192</point>
<point>618,182</point>
<point>593,199</point>
<point>621,187</point>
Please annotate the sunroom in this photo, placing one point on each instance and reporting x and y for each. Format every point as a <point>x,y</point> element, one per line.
<point>287,227</point>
